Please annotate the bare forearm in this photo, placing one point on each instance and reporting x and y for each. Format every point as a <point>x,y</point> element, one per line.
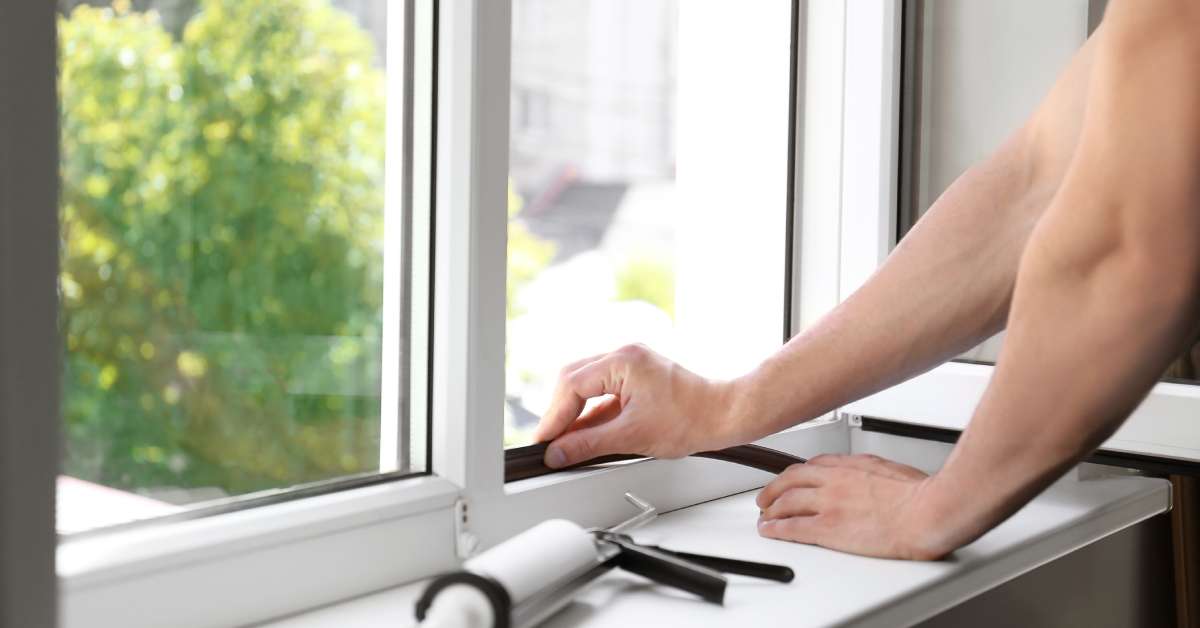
<point>943,289</point>
<point>947,286</point>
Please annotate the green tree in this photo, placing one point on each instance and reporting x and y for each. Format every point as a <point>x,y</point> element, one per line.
<point>222,220</point>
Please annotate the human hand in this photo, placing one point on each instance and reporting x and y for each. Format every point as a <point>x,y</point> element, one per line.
<point>650,406</point>
<point>861,504</point>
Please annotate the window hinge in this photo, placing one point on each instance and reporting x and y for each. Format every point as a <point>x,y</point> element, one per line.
<point>465,543</point>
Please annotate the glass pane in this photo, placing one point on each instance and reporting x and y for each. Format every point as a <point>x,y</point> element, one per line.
<point>971,88</point>
<point>222,260</point>
<point>648,187</point>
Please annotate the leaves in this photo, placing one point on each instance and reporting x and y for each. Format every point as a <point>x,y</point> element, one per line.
<point>222,204</point>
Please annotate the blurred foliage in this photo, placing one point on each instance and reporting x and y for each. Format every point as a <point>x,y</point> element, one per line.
<point>222,212</point>
<point>648,279</point>
<point>528,254</point>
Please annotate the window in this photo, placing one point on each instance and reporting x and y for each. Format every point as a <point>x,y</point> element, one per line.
<point>456,107</point>
<point>224,229</point>
<point>966,99</point>
<point>648,187</point>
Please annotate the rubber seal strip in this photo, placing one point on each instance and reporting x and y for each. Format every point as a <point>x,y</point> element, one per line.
<point>527,462</point>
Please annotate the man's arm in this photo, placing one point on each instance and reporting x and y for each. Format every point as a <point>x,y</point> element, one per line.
<point>1107,291</point>
<point>1106,294</point>
<point>946,287</point>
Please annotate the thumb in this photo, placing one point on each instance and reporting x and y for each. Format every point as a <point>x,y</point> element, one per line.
<point>582,445</point>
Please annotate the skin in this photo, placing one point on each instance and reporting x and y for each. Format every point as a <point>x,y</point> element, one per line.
<point>1080,235</point>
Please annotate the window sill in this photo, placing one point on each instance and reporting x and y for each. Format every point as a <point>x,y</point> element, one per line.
<point>833,588</point>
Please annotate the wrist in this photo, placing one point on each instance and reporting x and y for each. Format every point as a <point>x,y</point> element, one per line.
<point>922,532</point>
<point>736,409</point>
<point>940,519</point>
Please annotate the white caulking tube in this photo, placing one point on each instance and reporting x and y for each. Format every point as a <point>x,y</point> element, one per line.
<point>491,584</point>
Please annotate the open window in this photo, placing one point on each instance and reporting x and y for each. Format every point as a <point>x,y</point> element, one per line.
<point>327,318</point>
<point>500,180</point>
<point>591,141</point>
<point>649,183</point>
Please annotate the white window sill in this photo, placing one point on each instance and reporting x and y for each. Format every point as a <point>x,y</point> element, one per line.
<point>831,588</point>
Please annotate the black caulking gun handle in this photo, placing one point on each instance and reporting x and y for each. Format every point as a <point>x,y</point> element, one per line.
<point>764,571</point>
<point>672,571</point>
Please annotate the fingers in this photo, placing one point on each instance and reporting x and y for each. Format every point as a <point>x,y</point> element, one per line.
<point>799,529</point>
<point>869,463</point>
<point>583,444</point>
<point>566,403</point>
<point>795,476</point>
<point>606,410</point>
<point>795,502</point>
<point>591,377</point>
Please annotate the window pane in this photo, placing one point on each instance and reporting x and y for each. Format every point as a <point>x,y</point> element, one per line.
<point>648,186</point>
<point>971,88</point>
<point>222,227</point>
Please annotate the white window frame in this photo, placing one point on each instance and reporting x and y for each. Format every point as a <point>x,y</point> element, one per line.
<point>473,128</point>
<point>256,564</point>
<point>1164,425</point>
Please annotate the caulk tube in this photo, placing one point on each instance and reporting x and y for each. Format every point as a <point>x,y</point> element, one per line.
<point>491,584</point>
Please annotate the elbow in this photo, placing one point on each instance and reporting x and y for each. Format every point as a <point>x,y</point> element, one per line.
<point>1156,254</point>
<point>1152,277</point>
<point>1166,284</point>
<point>1148,265</point>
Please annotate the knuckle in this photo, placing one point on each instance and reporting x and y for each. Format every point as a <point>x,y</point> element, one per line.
<point>573,379</point>
<point>581,447</point>
<point>635,353</point>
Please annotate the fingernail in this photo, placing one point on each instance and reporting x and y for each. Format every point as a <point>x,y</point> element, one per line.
<point>555,458</point>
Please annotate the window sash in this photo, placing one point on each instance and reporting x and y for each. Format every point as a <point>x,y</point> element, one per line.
<point>469,340</point>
